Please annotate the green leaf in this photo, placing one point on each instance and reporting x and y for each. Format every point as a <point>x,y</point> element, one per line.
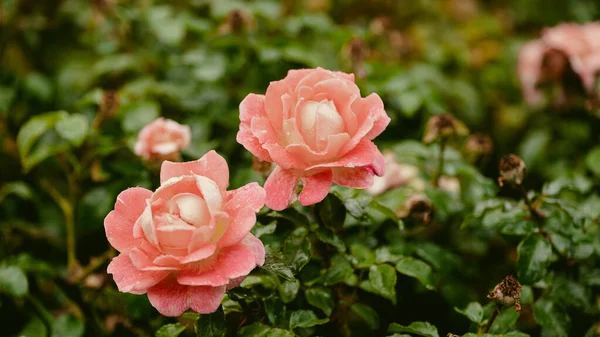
<point>592,160</point>
<point>367,314</point>
<point>170,330</point>
<point>13,281</point>
<point>424,329</point>
<point>340,270</point>
<point>135,116</point>
<point>73,128</point>
<point>410,101</point>
<point>505,321</point>
<point>166,26</point>
<point>67,326</point>
<point>288,290</point>
<point>305,319</point>
<point>516,334</point>
<point>212,324</point>
<point>552,318</point>
<point>34,328</point>
<point>275,310</point>
<point>535,255</point>
<point>296,249</point>
<point>18,188</point>
<point>473,311</point>
<point>274,264</point>
<point>571,294</point>
<point>416,268</point>
<point>321,298</point>
<point>260,330</point>
<point>332,212</point>
<point>29,134</point>
<point>327,236</point>
<point>363,256</point>
<point>382,281</point>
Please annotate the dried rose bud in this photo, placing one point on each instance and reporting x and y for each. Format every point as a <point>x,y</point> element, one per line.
<point>479,144</point>
<point>355,52</point>
<point>109,103</point>
<point>443,126</point>
<point>507,292</point>
<point>512,170</point>
<point>237,21</point>
<point>417,208</point>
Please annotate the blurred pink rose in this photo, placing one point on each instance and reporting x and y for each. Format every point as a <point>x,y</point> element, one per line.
<point>396,175</point>
<point>188,241</point>
<point>162,139</point>
<point>317,128</point>
<point>542,61</point>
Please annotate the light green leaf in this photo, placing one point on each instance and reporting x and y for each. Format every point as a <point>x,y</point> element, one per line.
<point>367,314</point>
<point>135,116</point>
<point>170,330</point>
<point>340,270</point>
<point>592,160</point>
<point>473,311</point>
<point>535,255</point>
<point>34,328</point>
<point>305,319</point>
<point>260,330</point>
<point>288,290</point>
<point>29,134</point>
<point>416,268</point>
<point>363,256</point>
<point>552,318</point>
<point>423,329</point>
<point>505,321</point>
<point>67,326</point>
<point>73,128</point>
<point>321,298</point>
<point>382,281</point>
<point>13,281</point>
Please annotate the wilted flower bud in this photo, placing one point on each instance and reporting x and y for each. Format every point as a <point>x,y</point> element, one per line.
<point>261,166</point>
<point>507,292</point>
<point>479,144</point>
<point>417,208</point>
<point>512,170</point>
<point>109,103</point>
<point>237,21</point>
<point>356,51</point>
<point>443,126</point>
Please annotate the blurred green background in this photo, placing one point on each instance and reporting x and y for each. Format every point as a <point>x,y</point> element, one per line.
<point>115,65</point>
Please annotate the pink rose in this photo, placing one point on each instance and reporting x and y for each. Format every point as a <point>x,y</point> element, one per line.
<point>396,175</point>
<point>162,139</point>
<point>188,241</point>
<point>318,129</point>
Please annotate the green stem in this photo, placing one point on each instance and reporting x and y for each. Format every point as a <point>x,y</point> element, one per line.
<point>532,209</point>
<point>94,264</point>
<point>440,168</point>
<point>491,319</point>
<point>67,210</point>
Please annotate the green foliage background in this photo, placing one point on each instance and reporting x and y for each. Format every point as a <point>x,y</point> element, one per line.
<point>78,80</point>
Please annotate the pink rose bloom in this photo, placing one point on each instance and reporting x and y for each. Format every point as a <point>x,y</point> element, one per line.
<point>187,242</point>
<point>529,70</point>
<point>396,175</point>
<point>315,126</point>
<point>162,139</point>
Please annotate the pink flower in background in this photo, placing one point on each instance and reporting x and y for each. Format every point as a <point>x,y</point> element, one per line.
<point>187,242</point>
<point>547,59</point>
<point>317,128</point>
<point>162,139</point>
<point>396,175</point>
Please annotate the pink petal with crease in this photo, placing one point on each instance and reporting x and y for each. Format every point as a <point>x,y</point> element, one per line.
<point>315,188</point>
<point>172,299</point>
<point>281,189</point>
<point>211,165</point>
<point>131,280</point>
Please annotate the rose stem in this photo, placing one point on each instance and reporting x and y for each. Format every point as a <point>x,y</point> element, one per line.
<point>492,319</point>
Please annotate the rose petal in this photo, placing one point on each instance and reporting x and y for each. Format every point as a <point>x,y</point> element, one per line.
<point>131,280</point>
<point>316,187</point>
<point>242,221</point>
<point>250,195</point>
<point>142,261</point>
<point>358,177</point>
<point>172,299</point>
<point>211,193</point>
<point>232,262</point>
<point>257,247</point>
<point>365,153</point>
<point>211,165</point>
<point>252,106</point>
<point>200,254</point>
<point>251,143</point>
<point>192,209</point>
<point>280,188</point>
<point>118,224</point>
<point>371,107</point>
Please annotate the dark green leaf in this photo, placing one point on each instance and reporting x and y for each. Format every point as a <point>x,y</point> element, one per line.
<point>340,270</point>
<point>296,249</point>
<point>382,281</point>
<point>367,314</point>
<point>260,330</point>
<point>363,256</point>
<point>321,298</point>
<point>34,328</point>
<point>332,212</point>
<point>473,311</point>
<point>505,321</point>
<point>416,268</point>
<point>170,330</point>
<point>211,324</point>
<point>535,255</point>
<point>288,290</point>
<point>329,237</point>
<point>424,329</point>
<point>552,318</point>
<point>13,281</point>
<point>67,326</point>
<point>305,319</point>
<point>274,264</point>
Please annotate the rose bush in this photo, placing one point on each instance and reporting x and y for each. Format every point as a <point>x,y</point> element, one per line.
<point>162,139</point>
<point>315,126</point>
<point>187,242</point>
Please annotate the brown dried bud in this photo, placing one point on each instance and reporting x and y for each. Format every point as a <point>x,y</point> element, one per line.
<point>443,126</point>
<point>512,170</point>
<point>479,144</point>
<point>507,292</point>
<point>237,21</point>
<point>417,208</point>
<point>355,52</point>
<point>109,103</point>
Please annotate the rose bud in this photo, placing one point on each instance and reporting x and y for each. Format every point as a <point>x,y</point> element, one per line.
<point>443,127</point>
<point>162,139</point>
<point>417,208</point>
<point>507,292</point>
<point>512,170</point>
